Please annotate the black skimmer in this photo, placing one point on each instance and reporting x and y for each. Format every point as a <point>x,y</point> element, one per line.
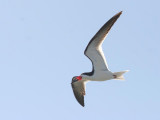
<point>100,71</point>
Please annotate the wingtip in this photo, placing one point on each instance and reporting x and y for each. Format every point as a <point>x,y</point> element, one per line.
<point>119,13</point>
<point>81,103</point>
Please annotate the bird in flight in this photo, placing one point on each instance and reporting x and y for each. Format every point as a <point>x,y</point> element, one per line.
<point>100,71</point>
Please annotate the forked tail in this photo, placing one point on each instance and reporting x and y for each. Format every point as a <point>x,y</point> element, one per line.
<point>119,75</point>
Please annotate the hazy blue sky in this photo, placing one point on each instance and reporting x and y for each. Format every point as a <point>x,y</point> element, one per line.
<point>41,49</point>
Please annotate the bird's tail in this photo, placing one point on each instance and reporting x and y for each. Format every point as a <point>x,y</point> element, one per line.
<point>119,75</point>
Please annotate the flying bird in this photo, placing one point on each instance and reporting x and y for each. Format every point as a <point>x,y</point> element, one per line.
<point>100,71</point>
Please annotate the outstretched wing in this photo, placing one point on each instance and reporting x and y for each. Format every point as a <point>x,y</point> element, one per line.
<point>79,91</point>
<point>94,49</point>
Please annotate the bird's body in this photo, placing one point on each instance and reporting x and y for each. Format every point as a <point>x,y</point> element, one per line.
<point>100,71</point>
<point>99,76</point>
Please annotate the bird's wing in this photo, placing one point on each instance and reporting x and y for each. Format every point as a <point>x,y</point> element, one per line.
<point>79,91</point>
<point>94,49</point>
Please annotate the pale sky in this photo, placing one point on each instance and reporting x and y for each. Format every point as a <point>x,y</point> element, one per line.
<point>41,49</point>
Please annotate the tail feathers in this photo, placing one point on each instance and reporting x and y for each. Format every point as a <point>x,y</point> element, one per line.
<point>119,75</point>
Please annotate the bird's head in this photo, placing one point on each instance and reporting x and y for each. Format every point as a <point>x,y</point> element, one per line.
<point>76,78</point>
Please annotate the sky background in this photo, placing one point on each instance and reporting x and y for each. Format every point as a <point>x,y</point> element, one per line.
<point>41,49</point>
